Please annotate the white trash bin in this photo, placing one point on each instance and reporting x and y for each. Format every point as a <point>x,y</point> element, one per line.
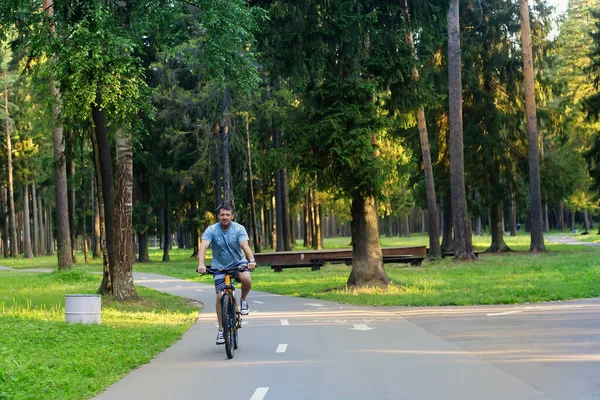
<point>83,308</point>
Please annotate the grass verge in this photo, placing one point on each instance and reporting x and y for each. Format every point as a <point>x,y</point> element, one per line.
<point>565,272</point>
<point>41,356</point>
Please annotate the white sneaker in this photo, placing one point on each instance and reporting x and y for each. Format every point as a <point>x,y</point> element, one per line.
<point>220,338</point>
<point>244,307</point>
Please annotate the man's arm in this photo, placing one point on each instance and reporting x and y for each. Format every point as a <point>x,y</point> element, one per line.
<point>248,252</point>
<point>203,247</point>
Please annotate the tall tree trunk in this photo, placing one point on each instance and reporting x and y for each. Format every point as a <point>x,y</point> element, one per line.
<point>586,222</point>
<point>227,188</point>
<point>42,242</point>
<point>65,258</point>
<point>166,228</point>
<point>498,245</point>
<point>26,223</point>
<point>264,222</point>
<point>122,276</point>
<point>218,178</point>
<point>447,239</point>
<point>536,223</point>
<point>14,250</point>
<point>49,235</point>
<point>513,215</point>
<point>96,239</point>
<point>257,244</point>
<point>317,239</point>
<point>367,259</point>
<point>273,221</point>
<point>104,178</point>
<point>5,224</point>
<point>36,222</point>
<point>287,236</point>
<point>546,220</point>
<point>71,193</point>
<point>278,208</point>
<point>435,250</point>
<point>306,220</point>
<point>463,246</point>
<point>96,211</point>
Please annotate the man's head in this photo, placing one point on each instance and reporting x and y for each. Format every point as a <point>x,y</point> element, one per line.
<point>225,215</point>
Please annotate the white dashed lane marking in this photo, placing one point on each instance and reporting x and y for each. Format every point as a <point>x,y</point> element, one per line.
<point>258,302</point>
<point>285,322</point>
<point>260,393</point>
<point>281,348</point>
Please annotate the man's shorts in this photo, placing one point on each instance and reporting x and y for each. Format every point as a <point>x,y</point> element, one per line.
<point>219,278</point>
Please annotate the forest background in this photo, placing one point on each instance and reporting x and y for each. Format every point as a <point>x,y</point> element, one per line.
<point>127,123</point>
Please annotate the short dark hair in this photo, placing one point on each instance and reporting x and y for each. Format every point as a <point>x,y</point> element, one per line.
<point>225,207</point>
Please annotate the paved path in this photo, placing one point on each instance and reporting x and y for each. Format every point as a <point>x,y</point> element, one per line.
<point>26,270</point>
<point>570,240</point>
<point>303,349</point>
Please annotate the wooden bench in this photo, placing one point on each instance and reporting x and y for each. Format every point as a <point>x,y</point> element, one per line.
<point>316,264</point>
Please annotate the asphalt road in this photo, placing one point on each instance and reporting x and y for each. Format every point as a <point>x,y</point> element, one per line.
<point>303,349</point>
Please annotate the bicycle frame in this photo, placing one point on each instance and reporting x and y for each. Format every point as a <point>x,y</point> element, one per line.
<point>231,319</point>
<point>230,315</point>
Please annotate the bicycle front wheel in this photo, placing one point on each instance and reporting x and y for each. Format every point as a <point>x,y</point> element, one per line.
<point>228,324</point>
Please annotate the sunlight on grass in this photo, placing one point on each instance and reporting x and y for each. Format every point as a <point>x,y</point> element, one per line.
<point>42,356</point>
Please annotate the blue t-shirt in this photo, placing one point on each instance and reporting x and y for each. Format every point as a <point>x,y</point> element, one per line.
<point>225,245</point>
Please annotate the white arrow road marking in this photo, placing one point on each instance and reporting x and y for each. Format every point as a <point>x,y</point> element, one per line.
<point>361,327</point>
<point>503,313</point>
<point>258,302</point>
<point>314,304</point>
<point>285,322</point>
<point>259,394</point>
<point>281,348</point>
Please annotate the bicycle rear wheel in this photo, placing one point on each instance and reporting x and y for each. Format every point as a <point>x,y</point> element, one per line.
<point>228,325</point>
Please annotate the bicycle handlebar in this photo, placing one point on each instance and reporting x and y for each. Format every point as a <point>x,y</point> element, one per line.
<point>229,269</point>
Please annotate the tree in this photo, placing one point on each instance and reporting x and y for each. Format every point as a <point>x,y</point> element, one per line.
<point>463,246</point>
<point>432,228</point>
<point>63,238</point>
<point>537,229</point>
<point>8,123</point>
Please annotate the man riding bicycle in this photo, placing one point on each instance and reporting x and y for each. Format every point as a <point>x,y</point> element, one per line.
<point>229,242</point>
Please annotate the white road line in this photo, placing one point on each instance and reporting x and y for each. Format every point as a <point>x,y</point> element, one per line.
<point>285,322</point>
<point>314,304</point>
<point>143,277</point>
<point>258,302</point>
<point>260,393</point>
<point>281,348</point>
<point>199,290</point>
<point>362,327</point>
<point>161,282</point>
<point>179,286</point>
<point>503,313</point>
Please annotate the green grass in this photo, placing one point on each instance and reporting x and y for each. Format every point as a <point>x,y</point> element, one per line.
<point>564,272</point>
<point>41,356</point>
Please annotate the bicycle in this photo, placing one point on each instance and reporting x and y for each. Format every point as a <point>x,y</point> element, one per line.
<point>231,316</point>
